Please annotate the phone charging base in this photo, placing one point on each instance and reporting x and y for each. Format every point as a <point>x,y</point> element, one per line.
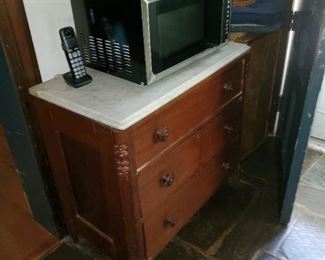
<point>76,83</point>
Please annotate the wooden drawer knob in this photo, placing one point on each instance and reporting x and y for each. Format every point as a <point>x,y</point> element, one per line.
<point>226,166</point>
<point>228,87</point>
<point>230,129</point>
<point>167,179</point>
<point>170,222</point>
<point>161,135</point>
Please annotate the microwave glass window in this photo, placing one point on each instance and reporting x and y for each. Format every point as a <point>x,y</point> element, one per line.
<point>177,31</point>
<point>180,28</point>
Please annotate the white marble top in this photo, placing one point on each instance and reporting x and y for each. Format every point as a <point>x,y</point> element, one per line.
<point>119,103</point>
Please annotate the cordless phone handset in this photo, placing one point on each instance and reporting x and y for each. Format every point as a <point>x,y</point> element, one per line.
<point>77,77</point>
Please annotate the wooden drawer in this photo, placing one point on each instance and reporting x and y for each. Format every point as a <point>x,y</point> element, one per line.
<point>168,173</point>
<point>186,113</point>
<point>166,222</point>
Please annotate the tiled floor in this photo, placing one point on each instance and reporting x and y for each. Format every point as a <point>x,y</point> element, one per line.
<point>20,236</point>
<point>239,222</point>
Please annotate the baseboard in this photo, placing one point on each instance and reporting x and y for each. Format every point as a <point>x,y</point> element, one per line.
<point>316,144</point>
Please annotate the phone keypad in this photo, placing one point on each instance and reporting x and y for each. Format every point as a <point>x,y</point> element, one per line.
<point>77,64</point>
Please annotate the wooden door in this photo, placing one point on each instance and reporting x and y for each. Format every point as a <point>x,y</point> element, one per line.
<point>303,81</point>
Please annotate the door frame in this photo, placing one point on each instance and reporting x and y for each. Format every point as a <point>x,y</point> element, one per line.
<point>313,90</point>
<point>20,68</point>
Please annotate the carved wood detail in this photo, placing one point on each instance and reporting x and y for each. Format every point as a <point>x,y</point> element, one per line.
<point>122,160</point>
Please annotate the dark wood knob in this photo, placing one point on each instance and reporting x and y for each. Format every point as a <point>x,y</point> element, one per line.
<point>229,128</point>
<point>161,135</point>
<point>228,87</point>
<point>170,222</point>
<point>167,179</point>
<point>226,166</point>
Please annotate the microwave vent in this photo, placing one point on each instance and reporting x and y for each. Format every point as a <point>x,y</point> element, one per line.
<point>107,55</point>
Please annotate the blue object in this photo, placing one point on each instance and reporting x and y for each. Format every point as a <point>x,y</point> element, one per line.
<point>263,16</point>
<point>254,28</point>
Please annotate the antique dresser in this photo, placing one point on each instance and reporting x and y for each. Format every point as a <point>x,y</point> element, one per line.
<point>133,164</point>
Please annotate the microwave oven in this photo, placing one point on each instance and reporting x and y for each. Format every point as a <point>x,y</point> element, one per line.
<point>145,40</point>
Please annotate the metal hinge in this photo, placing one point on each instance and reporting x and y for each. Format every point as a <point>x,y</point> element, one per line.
<point>296,17</point>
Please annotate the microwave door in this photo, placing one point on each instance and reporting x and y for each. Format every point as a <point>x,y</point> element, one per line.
<point>176,30</point>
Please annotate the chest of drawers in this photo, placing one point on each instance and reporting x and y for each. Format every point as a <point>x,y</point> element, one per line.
<point>130,191</point>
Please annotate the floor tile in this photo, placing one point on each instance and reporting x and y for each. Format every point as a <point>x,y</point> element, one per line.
<point>261,255</point>
<point>67,252</point>
<point>313,199</point>
<point>256,229</point>
<point>247,239</point>
<point>311,157</point>
<point>315,176</point>
<point>217,216</point>
<point>260,168</point>
<point>92,251</point>
<point>176,251</point>
<point>82,250</point>
<point>306,241</point>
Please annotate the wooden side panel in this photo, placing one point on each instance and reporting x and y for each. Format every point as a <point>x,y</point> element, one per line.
<point>261,75</point>
<point>85,174</point>
<point>71,149</point>
<point>96,179</point>
<point>258,91</point>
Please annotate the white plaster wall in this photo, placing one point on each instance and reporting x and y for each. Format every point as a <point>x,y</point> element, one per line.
<point>45,18</point>
<point>318,129</point>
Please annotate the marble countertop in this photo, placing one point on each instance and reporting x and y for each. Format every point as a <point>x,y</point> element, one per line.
<point>120,104</point>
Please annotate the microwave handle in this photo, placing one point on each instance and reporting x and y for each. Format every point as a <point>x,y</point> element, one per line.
<point>227,19</point>
<point>218,12</point>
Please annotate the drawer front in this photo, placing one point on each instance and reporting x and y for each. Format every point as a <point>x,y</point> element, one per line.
<point>186,113</point>
<point>166,222</point>
<point>166,175</point>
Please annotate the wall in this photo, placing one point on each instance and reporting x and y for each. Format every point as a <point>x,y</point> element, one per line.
<point>45,18</point>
